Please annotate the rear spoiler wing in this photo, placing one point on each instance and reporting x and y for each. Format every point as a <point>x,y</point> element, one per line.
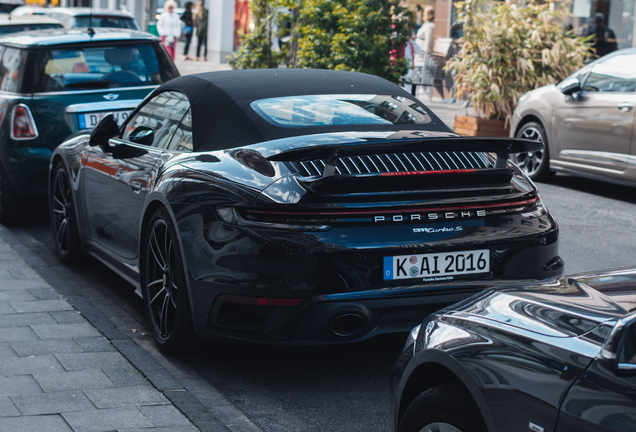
<point>330,153</point>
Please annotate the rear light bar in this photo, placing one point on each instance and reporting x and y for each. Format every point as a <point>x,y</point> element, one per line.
<point>512,204</point>
<point>22,124</point>
<point>260,301</point>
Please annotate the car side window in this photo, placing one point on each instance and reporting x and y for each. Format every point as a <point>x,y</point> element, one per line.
<point>11,64</point>
<point>162,114</point>
<point>628,350</point>
<point>182,138</point>
<point>615,74</point>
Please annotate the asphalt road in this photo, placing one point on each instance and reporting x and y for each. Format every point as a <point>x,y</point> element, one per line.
<point>346,388</point>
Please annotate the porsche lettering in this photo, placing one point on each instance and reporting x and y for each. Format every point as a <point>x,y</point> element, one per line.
<point>430,216</point>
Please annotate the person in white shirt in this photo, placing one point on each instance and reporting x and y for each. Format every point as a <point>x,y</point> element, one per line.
<point>425,33</point>
<point>169,27</point>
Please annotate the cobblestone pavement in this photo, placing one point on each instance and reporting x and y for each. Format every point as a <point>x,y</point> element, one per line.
<point>67,365</point>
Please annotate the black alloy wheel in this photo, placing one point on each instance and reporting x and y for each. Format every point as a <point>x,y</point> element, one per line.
<point>436,410</point>
<point>535,164</point>
<point>164,286</point>
<point>11,206</point>
<point>63,218</point>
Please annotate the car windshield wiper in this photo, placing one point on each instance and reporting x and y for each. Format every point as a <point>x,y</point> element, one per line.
<point>89,84</point>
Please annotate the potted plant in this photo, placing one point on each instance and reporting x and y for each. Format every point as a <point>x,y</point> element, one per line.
<point>508,50</point>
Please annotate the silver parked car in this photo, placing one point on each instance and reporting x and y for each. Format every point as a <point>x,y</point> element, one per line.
<point>585,122</point>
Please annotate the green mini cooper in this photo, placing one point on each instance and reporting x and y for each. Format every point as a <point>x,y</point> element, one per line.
<point>56,82</point>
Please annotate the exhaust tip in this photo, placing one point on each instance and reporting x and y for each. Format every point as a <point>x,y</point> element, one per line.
<point>348,324</point>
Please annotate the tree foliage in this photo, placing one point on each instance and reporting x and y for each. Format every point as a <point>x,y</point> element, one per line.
<point>509,50</point>
<point>354,35</point>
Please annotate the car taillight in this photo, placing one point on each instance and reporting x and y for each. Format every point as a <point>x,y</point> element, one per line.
<point>22,123</point>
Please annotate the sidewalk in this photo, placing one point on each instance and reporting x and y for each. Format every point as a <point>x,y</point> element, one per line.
<point>59,373</point>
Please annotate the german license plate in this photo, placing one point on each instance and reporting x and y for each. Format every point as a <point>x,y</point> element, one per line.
<point>90,120</point>
<point>436,266</point>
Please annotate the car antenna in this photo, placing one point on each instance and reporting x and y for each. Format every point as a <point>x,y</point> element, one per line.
<point>91,32</point>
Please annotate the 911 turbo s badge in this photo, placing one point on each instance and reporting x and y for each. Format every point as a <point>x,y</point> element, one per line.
<point>429,230</point>
<point>430,216</point>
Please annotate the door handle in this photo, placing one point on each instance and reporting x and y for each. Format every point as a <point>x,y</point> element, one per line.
<point>136,186</point>
<point>625,106</point>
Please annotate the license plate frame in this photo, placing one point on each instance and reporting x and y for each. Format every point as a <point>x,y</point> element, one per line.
<point>437,266</point>
<point>89,120</point>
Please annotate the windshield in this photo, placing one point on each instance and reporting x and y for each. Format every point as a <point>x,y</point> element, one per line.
<point>328,110</point>
<point>105,21</point>
<point>14,28</point>
<point>100,68</point>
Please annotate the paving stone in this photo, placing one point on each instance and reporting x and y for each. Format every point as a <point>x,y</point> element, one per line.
<point>18,333</point>
<point>164,415</point>
<point>10,283</point>
<point>74,380</point>
<point>7,408</point>
<point>126,377</point>
<point>243,427</point>
<point>106,420</point>
<point>41,306</point>
<point>95,344</point>
<point>25,319</point>
<point>7,254</point>
<point>16,295</point>
<point>68,317</point>
<point>19,385</point>
<point>48,423</point>
<point>6,350</point>
<point>163,429</point>
<point>5,307</point>
<point>45,294</point>
<point>53,403</point>
<point>126,396</point>
<point>29,365</point>
<point>229,415</point>
<point>39,347</point>
<point>211,398</point>
<point>24,273</point>
<point>96,360</point>
<point>65,331</point>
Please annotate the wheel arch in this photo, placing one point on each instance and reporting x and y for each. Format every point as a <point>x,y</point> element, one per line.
<point>437,371</point>
<point>527,119</point>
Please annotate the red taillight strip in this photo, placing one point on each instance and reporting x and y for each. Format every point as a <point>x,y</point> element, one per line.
<point>260,301</point>
<point>408,173</point>
<point>467,207</point>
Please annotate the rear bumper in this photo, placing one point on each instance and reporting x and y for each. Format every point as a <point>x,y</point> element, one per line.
<point>349,316</point>
<point>27,169</point>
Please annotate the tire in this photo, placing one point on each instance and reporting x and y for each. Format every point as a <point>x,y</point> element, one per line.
<point>164,286</point>
<point>436,410</point>
<point>64,218</point>
<point>535,164</point>
<point>11,206</point>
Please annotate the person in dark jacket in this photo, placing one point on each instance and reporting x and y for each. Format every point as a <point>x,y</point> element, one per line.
<point>201,24</point>
<point>186,17</point>
<point>604,37</point>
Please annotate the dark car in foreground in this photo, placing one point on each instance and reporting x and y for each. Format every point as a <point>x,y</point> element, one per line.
<point>56,82</point>
<point>554,356</point>
<point>296,206</point>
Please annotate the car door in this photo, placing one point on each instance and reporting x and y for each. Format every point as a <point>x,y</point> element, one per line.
<point>603,399</point>
<point>593,128</point>
<point>119,178</point>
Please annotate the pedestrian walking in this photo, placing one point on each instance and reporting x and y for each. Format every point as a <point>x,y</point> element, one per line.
<point>169,27</point>
<point>201,24</point>
<point>186,17</point>
<point>604,37</point>
<point>425,33</point>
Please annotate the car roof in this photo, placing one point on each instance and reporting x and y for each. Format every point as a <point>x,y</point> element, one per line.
<point>230,121</point>
<point>29,10</point>
<point>79,11</point>
<point>43,38</point>
<point>6,19</point>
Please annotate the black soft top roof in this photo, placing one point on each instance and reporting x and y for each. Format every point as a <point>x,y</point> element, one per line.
<point>222,117</point>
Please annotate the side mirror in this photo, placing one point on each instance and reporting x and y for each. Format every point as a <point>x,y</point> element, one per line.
<point>142,135</point>
<point>570,86</point>
<point>625,358</point>
<point>106,129</point>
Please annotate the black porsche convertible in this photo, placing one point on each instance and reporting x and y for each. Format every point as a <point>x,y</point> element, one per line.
<point>296,206</point>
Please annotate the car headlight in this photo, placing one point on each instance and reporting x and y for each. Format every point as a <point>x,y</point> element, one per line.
<point>412,338</point>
